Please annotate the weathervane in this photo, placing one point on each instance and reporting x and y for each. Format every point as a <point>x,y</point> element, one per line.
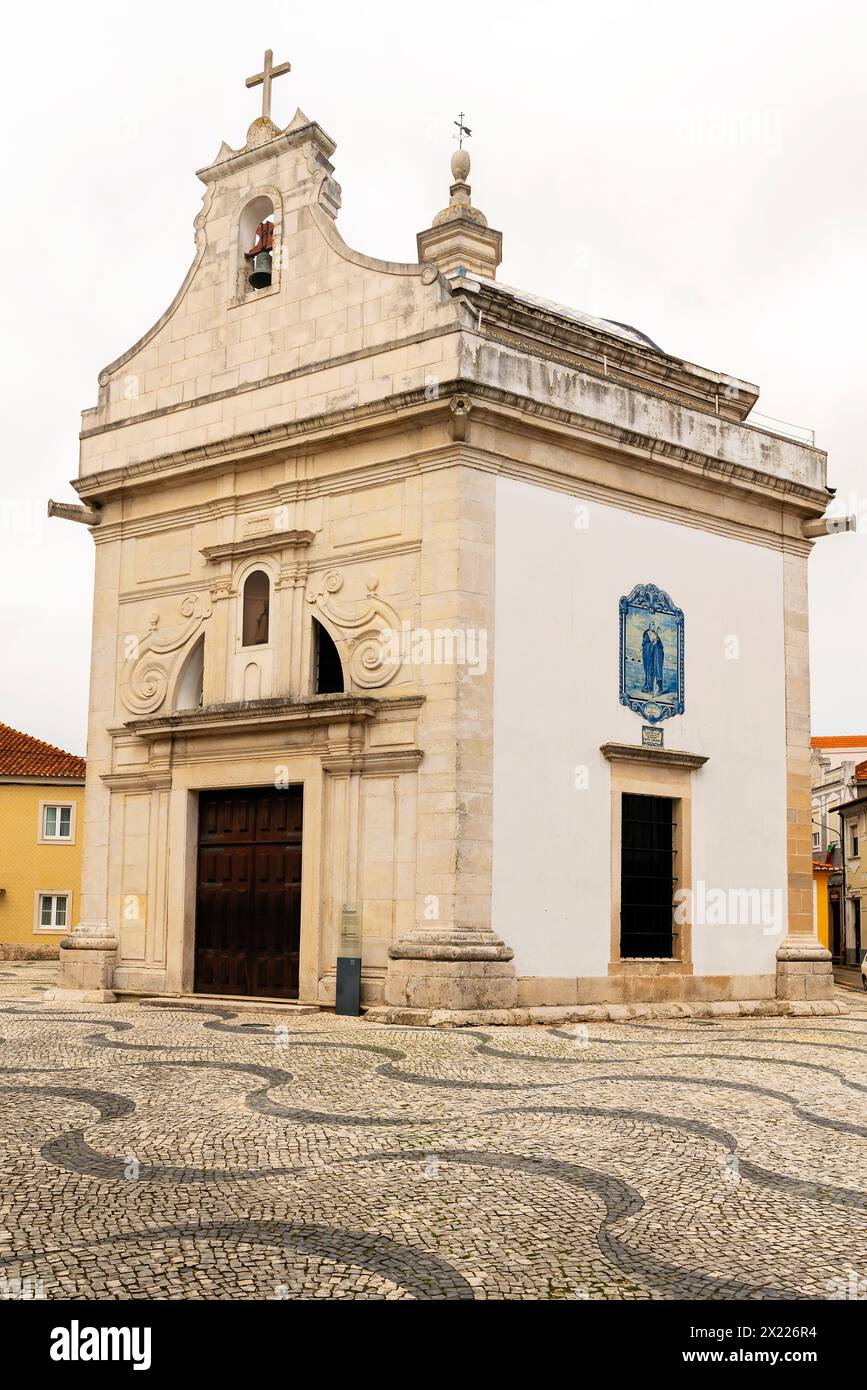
<point>264,79</point>
<point>462,131</point>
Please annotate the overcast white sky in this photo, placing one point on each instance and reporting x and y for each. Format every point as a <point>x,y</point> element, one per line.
<point>695,170</point>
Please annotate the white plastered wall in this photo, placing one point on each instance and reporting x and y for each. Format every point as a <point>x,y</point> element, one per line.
<point>556,700</point>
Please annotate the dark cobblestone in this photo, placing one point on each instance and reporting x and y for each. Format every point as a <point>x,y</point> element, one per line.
<point>175,1153</point>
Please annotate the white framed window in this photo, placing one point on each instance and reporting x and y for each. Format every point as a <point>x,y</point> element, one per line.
<point>854,841</point>
<point>57,822</point>
<point>53,912</point>
<point>817,839</point>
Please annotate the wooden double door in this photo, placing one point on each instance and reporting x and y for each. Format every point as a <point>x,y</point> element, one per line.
<point>248,900</point>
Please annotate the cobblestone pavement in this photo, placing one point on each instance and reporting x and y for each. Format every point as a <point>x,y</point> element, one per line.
<point>175,1153</point>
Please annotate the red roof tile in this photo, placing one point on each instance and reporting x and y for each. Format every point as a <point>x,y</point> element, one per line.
<point>861,771</point>
<point>24,756</point>
<point>840,741</point>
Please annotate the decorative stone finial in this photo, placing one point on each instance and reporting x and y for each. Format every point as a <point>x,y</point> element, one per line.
<point>261,131</point>
<point>459,235</point>
<point>460,201</point>
<point>460,165</point>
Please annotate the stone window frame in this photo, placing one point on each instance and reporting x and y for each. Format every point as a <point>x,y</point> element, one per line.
<point>250,566</point>
<point>651,772</point>
<point>41,837</point>
<point>39,894</point>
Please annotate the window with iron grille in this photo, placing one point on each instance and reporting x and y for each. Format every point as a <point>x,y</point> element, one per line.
<point>647,876</point>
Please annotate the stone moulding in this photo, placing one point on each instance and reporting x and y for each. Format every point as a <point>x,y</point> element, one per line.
<point>477,948</point>
<point>301,130</point>
<point>274,432</point>
<point>555,337</point>
<point>145,780</point>
<point>663,757</point>
<point>276,712</point>
<point>661,455</point>
<point>806,950</point>
<point>257,545</point>
<point>385,760</point>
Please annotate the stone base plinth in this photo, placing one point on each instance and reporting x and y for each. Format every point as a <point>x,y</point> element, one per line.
<point>451,970</point>
<point>553,1017</point>
<point>804,970</point>
<point>79,996</point>
<point>87,961</point>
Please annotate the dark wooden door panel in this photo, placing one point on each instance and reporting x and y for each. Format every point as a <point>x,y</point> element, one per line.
<point>276,919</point>
<point>227,819</point>
<point>278,817</point>
<point>248,910</point>
<point>225,881</point>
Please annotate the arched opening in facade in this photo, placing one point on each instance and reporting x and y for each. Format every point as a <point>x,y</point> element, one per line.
<point>256,611</point>
<point>190,688</point>
<point>256,246</point>
<point>327,666</point>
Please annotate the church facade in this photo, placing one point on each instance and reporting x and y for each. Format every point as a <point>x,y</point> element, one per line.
<point>440,624</point>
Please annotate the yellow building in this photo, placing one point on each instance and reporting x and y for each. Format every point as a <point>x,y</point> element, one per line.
<point>821,912</point>
<point>41,801</point>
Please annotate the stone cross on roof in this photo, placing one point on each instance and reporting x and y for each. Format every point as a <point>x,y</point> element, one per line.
<point>265,78</point>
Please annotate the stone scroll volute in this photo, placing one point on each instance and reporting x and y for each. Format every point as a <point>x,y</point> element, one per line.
<point>362,629</point>
<point>153,659</point>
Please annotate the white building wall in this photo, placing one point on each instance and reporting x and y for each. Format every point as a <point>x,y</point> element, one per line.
<point>556,700</point>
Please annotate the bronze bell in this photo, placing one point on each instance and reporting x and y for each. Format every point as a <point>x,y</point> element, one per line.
<point>260,274</point>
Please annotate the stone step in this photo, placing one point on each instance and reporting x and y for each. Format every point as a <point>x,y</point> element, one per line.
<point>232,1001</point>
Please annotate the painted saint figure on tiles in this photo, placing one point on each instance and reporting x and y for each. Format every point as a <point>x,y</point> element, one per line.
<point>651,653</point>
<point>653,658</point>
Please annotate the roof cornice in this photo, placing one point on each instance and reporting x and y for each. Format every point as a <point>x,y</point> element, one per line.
<point>231,161</point>
<point>397,412</point>
<point>493,307</point>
